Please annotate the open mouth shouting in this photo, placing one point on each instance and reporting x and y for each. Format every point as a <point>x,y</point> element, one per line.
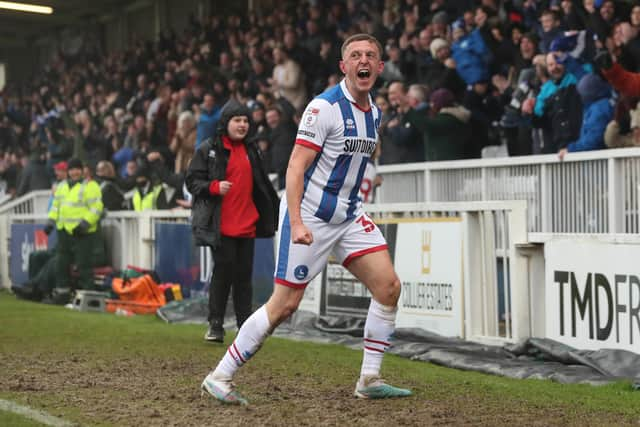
<point>363,74</point>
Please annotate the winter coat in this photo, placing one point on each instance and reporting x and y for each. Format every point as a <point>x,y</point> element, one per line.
<point>207,122</point>
<point>112,195</point>
<point>472,58</point>
<point>281,138</point>
<point>594,122</point>
<point>290,82</point>
<point>440,76</point>
<point>598,111</point>
<point>210,163</point>
<point>183,145</point>
<point>562,119</point>
<point>547,37</point>
<point>404,141</point>
<point>625,82</point>
<point>445,135</point>
<point>34,176</point>
<point>574,71</point>
<point>549,89</point>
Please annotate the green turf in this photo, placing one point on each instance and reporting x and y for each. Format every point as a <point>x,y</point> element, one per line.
<point>9,419</point>
<point>29,328</point>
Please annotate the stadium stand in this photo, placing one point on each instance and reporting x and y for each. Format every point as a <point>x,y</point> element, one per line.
<point>120,105</point>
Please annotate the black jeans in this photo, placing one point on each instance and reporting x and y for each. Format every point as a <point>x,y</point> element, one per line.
<point>233,268</point>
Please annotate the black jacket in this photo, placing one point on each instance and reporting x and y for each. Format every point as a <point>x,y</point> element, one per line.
<point>562,119</point>
<point>112,195</point>
<point>210,163</point>
<point>171,185</point>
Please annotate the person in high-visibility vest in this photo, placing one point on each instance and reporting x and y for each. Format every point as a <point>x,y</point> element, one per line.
<point>75,213</point>
<point>145,195</point>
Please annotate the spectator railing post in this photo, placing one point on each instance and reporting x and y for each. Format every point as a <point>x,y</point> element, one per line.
<point>4,251</point>
<point>483,179</point>
<point>146,239</point>
<point>427,184</point>
<point>473,267</point>
<point>615,208</point>
<point>518,272</point>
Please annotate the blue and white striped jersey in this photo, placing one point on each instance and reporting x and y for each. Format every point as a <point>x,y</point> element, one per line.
<point>344,136</point>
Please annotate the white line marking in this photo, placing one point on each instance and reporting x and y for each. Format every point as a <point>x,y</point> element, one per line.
<point>34,414</point>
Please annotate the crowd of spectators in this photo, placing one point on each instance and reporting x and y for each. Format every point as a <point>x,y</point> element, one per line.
<point>459,76</point>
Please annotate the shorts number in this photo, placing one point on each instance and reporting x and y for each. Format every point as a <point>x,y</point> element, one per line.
<point>368,226</point>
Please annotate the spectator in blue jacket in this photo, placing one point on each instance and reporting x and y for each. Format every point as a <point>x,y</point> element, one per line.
<point>472,57</point>
<point>208,115</point>
<point>597,112</point>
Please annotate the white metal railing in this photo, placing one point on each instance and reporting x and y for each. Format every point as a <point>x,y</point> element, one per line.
<point>497,293</point>
<point>496,289</point>
<point>590,192</point>
<point>129,236</point>
<point>32,202</point>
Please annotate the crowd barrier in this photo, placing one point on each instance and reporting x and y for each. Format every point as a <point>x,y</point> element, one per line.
<point>589,192</point>
<point>499,290</point>
<point>560,263</point>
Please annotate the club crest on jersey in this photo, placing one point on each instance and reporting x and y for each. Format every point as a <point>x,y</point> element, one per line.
<point>300,272</point>
<point>310,116</point>
<point>310,119</point>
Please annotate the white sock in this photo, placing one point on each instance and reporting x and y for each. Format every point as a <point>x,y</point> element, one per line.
<point>249,339</point>
<point>380,325</point>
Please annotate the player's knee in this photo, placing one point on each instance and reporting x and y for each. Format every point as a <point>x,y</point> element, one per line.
<point>390,293</point>
<point>285,311</point>
<point>289,309</point>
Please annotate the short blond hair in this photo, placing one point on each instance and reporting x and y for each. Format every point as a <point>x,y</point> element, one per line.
<point>186,118</point>
<point>358,38</point>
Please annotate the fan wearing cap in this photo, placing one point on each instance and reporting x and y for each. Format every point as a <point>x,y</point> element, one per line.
<point>233,203</point>
<point>60,173</point>
<point>75,212</point>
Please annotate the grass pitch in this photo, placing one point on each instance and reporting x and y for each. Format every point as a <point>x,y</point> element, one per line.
<point>104,370</point>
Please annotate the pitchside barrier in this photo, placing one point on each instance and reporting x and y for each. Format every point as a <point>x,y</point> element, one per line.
<point>578,261</point>
<point>461,273</point>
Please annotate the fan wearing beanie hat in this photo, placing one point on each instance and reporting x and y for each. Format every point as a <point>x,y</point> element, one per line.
<point>436,45</point>
<point>442,72</point>
<point>233,203</point>
<point>440,99</point>
<point>75,163</point>
<point>439,23</point>
<point>440,18</point>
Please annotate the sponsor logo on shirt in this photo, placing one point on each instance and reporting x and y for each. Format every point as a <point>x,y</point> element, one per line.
<point>306,133</point>
<point>359,145</point>
<point>350,124</point>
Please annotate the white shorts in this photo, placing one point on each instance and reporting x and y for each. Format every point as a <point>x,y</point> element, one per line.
<point>298,264</point>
